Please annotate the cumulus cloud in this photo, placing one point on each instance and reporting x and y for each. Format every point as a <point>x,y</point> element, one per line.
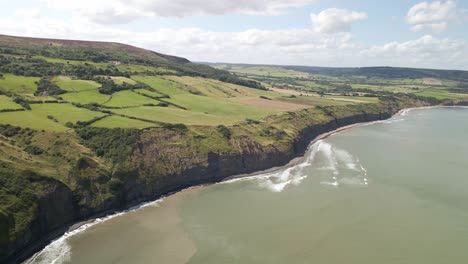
<point>426,51</point>
<point>434,16</point>
<point>289,46</point>
<point>335,20</point>
<point>124,11</point>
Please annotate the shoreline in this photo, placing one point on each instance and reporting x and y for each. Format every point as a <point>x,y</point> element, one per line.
<point>81,226</point>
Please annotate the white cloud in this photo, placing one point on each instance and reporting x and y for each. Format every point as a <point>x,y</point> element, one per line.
<point>426,51</point>
<point>335,20</point>
<point>434,16</point>
<point>27,14</point>
<point>124,11</point>
<point>289,46</point>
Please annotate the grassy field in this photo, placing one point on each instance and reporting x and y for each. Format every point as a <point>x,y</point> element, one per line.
<point>129,98</point>
<point>172,115</point>
<point>18,84</point>
<point>7,103</point>
<point>161,85</point>
<point>217,106</point>
<point>147,92</point>
<point>262,71</point>
<point>122,122</point>
<point>64,113</point>
<point>214,88</point>
<point>121,80</point>
<point>86,97</point>
<point>68,84</point>
<point>30,119</point>
<point>441,94</point>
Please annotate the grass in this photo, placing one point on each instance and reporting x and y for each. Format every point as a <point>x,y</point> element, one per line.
<point>129,98</point>
<point>263,71</point>
<point>86,97</point>
<point>354,98</point>
<point>18,84</point>
<point>218,89</point>
<point>147,92</point>
<point>219,106</point>
<point>73,62</point>
<point>172,115</point>
<point>122,122</point>
<point>68,84</point>
<point>64,112</point>
<point>7,103</point>
<point>30,119</point>
<point>121,80</point>
<point>441,94</point>
<point>161,85</point>
<point>313,101</point>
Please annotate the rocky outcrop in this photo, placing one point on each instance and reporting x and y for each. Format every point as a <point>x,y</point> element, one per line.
<point>54,211</point>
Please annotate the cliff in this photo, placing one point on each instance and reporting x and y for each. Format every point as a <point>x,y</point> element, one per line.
<point>134,166</point>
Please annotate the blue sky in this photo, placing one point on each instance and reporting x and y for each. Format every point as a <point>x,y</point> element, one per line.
<point>410,33</point>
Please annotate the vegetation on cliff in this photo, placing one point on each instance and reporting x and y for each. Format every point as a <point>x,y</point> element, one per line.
<point>87,127</point>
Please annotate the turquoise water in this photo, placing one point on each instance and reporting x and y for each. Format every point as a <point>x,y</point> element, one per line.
<point>388,192</point>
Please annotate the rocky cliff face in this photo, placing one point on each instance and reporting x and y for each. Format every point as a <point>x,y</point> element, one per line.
<point>164,161</point>
<point>56,208</point>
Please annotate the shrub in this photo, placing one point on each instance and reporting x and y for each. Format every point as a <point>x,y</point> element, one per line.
<point>224,131</point>
<point>34,150</point>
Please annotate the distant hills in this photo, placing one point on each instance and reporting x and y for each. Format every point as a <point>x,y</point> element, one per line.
<point>95,51</point>
<point>379,72</point>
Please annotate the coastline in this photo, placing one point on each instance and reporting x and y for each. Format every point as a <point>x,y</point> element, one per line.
<point>81,226</point>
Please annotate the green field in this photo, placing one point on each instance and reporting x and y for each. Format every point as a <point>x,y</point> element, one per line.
<point>147,92</point>
<point>129,98</point>
<point>30,119</point>
<point>442,94</point>
<point>7,103</point>
<point>68,84</point>
<point>263,71</point>
<point>86,97</point>
<point>18,84</point>
<point>217,106</point>
<point>64,112</point>
<point>161,85</point>
<point>172,115</point>
<point>121,80</point>
<point>122,122</point>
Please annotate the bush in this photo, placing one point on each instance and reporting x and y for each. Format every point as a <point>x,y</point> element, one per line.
<point>34,150</point>
<point>252,121</point>
<point>224,131</point>
<point>179,127</point>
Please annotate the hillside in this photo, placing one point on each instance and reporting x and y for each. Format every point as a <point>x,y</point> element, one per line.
<point>369,72</point>
<point>91,127</point>
<point>439,84</point>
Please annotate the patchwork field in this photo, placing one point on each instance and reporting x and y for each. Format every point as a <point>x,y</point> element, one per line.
<point>128,98</point>
<point>68,84</point>
<point>18,84</point>
<point>122,122</point>
<point>7,103</point>
<point>143,101</point>
<point>86,97</point>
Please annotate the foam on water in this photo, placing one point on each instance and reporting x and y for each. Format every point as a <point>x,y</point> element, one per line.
<point>59,250</point>
<point>322,156</point>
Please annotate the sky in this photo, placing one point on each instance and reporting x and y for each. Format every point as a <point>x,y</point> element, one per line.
<point>335,33</point>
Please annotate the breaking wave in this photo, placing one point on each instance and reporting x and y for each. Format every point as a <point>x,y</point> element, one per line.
<point>59,250</point>
<point>343,167</point>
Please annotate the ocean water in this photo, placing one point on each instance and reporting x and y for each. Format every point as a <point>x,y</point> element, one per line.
<point>389,192</point>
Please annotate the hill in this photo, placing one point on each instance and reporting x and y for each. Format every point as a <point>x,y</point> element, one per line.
<point>369,72</point>
<point>92,127</point>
